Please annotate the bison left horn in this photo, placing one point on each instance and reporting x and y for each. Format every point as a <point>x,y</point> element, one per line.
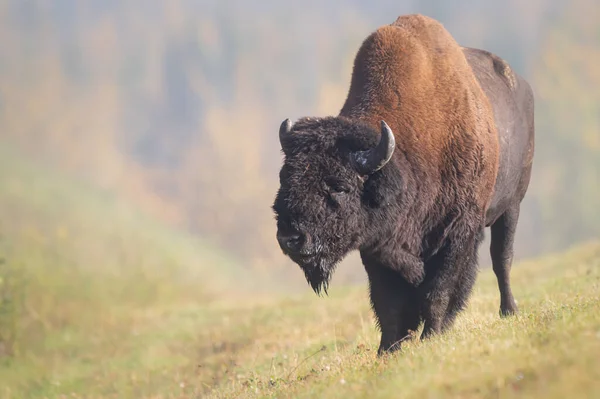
<point>284,129</point>
<point>373,159</point>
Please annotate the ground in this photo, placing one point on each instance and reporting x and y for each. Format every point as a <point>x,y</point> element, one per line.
<point>96,302</point>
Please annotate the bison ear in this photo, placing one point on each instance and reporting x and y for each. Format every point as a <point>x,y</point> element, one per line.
<point>284,129</point>
<point>370,161</point>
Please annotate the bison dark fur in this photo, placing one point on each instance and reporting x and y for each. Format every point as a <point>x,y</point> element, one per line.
<point>433,144</point>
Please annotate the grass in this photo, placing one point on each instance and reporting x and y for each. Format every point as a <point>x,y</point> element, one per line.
<point>98,302</point>
<point>326,347</point>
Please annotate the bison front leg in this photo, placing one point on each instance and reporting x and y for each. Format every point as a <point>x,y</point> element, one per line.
<point>396,311</point>
<point>453,271</point>
<point>465,280</point>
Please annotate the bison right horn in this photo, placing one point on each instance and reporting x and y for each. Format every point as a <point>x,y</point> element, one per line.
<point>284,129</point>
<point>371,160</point>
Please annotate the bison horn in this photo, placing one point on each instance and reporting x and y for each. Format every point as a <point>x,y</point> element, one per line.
<point>373,159</point>
<point>284,129</point>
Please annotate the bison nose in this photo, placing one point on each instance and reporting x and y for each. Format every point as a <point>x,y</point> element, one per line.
<point>292,242</point>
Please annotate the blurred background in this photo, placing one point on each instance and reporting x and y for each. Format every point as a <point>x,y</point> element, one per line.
<point>170,110</point>
<point>139,159</point>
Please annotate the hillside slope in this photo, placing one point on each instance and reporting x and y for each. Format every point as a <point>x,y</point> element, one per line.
<point>78,266</point>
<point>325,347</point>
<point>98,302</point>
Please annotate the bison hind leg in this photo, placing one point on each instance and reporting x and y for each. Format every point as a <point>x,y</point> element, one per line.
<point>501,250</point>
<point>393,301</point>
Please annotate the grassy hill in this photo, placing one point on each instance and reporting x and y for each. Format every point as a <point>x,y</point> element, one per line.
<point>96,301</point>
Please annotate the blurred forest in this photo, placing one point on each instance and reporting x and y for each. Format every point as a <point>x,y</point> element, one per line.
<point>175,105</point>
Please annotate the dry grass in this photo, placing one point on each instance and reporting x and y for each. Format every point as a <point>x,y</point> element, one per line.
<point>552,349</point>
<point>94,305</point>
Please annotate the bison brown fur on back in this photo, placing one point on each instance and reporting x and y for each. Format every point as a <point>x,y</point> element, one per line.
<point>433,144</point>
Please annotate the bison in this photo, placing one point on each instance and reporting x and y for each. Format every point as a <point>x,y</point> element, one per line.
<point>433,144</point>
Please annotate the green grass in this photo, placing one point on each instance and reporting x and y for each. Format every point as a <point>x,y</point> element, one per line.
<point>96,301</point>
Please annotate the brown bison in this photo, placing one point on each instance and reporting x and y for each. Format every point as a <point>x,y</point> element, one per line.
<point>433,144</point>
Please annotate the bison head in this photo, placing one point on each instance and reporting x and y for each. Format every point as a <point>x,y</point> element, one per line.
<point>329,190</point>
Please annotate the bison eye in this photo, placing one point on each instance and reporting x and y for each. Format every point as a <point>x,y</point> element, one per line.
<point>337,186</point>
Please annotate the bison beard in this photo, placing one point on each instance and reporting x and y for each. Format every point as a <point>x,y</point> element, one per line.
<point>410,173</point>
<point>318,275</point>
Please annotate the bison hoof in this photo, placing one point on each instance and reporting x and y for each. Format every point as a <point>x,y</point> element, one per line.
<point>507,311</point>
<point>385,350</point>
